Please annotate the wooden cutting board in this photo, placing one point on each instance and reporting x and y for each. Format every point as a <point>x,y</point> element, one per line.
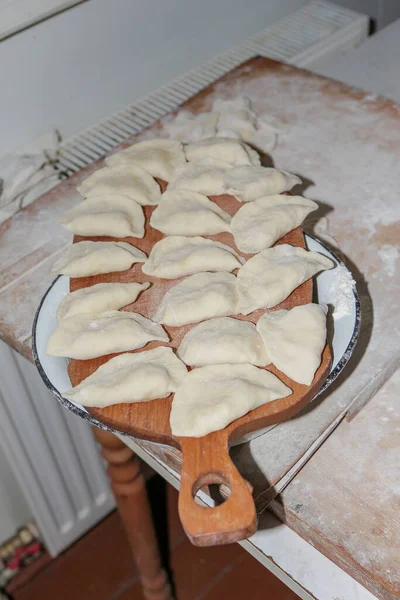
<point>205,460</point>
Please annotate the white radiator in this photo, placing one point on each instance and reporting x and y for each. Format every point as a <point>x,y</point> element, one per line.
<point>319,29</point>
<point>53,455</point>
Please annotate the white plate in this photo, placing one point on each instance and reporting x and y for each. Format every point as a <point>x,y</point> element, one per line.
<point>53,370</point>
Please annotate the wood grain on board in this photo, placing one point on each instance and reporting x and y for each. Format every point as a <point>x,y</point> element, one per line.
<point>205,460</point>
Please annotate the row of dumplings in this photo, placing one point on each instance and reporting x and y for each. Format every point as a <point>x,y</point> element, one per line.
<point>226,383</point>
<point>115,194</point>
<point>233,118</point>
<point>91,325</point>
<point>209,289</point>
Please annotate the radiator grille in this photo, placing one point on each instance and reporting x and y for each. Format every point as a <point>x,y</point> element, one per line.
<point>301,38</point>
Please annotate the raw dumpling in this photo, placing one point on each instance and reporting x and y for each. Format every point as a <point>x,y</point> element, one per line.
<point>177,256</point>
<point>228,150</point>
<point>249,183</point>
<point>91,335</point>
<point>222,340</point>
<point>127,180</point>
<point>210,398</point>
<point>206,178</point>
<point>183,212</point>
<point>294,340</point>
<point>93,258</point>
<point>158,157</point>
<point>268,278</point>
<point>188,127</point>
<point>236,117</point>
<point>199,297</point>
<point>99,298</point>
<point>128,378</point>
<point>113,215</point>
<point>259,224</point>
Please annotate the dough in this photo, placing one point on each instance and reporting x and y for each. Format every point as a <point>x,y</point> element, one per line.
<point>95,334</point>
<point>206,177</point>
<point>237,119</point>
<point>263,140</point>
<point>183,212</point>
<point>222,340</point>
<point>129,378</point>
<point>188,127</point>
<point>199,297</point>
<point>177,256</point>
<point>127,180</point>
<point>113,215</point>
<point>93,258</point>
<point>249,183</point>
<point>211,397</point>
<point>99,298</point>
<point>228,150</point>
<point>259,224</point>
<point>294,340</point>
<point>237,123</point>
<point>271,276</point>
<point>158,157</point>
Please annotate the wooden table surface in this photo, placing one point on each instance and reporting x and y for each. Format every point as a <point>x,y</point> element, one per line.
<point>346,145</point>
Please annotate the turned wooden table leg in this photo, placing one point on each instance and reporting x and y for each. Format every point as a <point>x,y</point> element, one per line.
<point>129,487</point>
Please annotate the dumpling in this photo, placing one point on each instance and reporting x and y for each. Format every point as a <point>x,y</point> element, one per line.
<point>127,180</point>
<point>259,224</point>
<point>229,150</point>
<point>269,277</point>
<point>158,157</point>
<point>128,378</point>
<point>93,258</point>
<point>199,297</point>
<point>177,256</point>
<point>294,340</point>
<point>90,335</point>
<point>206,177</point>
<point>99,298</point>
<point>236,118</point>
<point>183,212</point>
<point>188,127</point>
<point>249,183</point>
<point>113,215</point>
<point>222,340</point>
<point>210,398</point>
<point>263,140</point>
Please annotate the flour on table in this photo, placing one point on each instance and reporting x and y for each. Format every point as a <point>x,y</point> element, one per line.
<point>389,255</point>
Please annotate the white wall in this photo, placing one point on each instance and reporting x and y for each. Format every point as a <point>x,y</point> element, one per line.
<point>382,12</point>
<point>14,511</point>
<point>80,66</point>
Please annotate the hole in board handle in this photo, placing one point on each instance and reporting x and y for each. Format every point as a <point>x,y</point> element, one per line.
<point>214,485</point>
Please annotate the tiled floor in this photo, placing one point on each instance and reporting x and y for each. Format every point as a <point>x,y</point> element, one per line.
<point>99,566</point>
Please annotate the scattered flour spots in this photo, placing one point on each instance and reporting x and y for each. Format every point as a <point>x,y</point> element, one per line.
<point>389,255</point>
<point>370,98</point>
<point>341,292</point>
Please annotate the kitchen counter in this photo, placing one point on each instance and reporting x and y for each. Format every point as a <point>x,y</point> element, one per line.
<point>363,545</point>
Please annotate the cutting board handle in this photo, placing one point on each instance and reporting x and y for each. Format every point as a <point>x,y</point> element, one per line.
<point>206,461</point>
